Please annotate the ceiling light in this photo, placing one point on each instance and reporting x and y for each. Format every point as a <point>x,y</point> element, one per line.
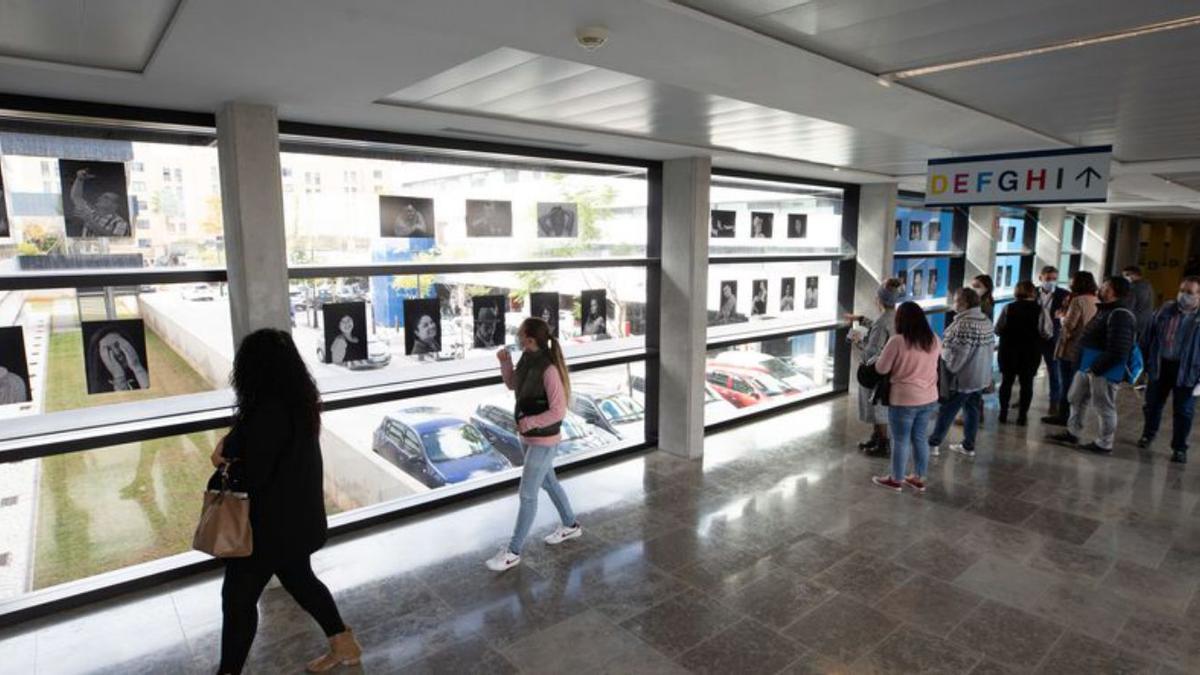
<point>837,168</point>
<point>885,80</point>
<point>1074,43</point>
<point>591,38</point>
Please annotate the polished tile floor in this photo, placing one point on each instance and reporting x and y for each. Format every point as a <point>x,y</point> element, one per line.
<point>773,555</point>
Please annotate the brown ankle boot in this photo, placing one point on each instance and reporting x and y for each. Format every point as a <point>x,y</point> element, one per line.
<point>344,650</point>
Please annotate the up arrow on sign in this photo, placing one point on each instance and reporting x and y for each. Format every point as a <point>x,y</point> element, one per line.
<point>1036,177</point>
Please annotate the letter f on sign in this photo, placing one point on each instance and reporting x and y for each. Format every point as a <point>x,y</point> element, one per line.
<point>982,179</point>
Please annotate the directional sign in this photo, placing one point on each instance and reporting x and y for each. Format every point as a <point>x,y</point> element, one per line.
<point>1039,177</point>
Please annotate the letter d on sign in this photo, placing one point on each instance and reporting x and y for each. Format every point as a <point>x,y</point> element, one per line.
<point>937,184</point>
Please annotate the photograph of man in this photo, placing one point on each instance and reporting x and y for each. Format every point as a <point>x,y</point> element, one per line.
<point>95,199</point>
<point>797,225</point>
<point>787,295</point>
<point>488,314</point>
<point>810,292</point>
<point>5,228</point>
<point>345,332</point>
<point>728,311</point>
<point>486,218</point>
<point>406,217</point>
<point>422,327</point>
<point>1012,233</point>
<point>918,283</point>
<point>758,306</point>
<point>594,309</point>
<point>722,224</point>
<point>914,230</point>
<point>557,219</point>
<point>935,230</point>
<point>1008,276</point>
<point>933,282</point>
<point>761,225</point>
<point>114,356</point>
<point>545,307</point>
<point>14,369</point>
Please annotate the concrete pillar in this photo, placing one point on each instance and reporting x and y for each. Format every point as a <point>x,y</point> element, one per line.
<point>1095,244</point>
<point>1126,236</point>
<point>1048,246</point>
<point>876,243</point>
<point>252,207</point>
<point>684,293</point>
<point>982,224</point>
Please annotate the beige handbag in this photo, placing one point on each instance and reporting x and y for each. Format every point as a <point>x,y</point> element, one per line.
<point>224,528</point>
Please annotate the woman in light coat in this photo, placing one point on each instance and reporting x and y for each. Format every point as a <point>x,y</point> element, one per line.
<point>1080,308</point>
<point>869,347</point>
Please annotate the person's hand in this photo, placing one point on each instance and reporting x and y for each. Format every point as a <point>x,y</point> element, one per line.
<point>852,317</point>
<point>523,425</point>
<point>503,355</point>
<point>218,458</point>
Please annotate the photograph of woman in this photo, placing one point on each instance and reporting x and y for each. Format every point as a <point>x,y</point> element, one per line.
<point>759,306</point>
<point>797,225</point>
<point>787,295</point>
<point>422,327</point>
<point>728,311</point>
<point>811,284</point>
<point>115,356</point>
<point>593,311</point>
<point>406,217</point>
<point>345,332</point>
<point>722,224</point>
<point>761,224</point>
<point>544,306</point>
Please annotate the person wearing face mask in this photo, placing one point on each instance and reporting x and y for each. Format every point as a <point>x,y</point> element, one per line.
<point>1173,367</point>
<point>1051,299</point>
<point>965,372</point>
<point>1141,299</point>
<point>982,284</point>
<point>1080,308</point>
<point>870,346</point>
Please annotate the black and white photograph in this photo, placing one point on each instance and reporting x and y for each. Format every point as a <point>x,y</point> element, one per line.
<point>557,219</point>
<point>114,356</point>
<point>918,279</point>
<point>903,277</point>
<point>759,305</point>
<point>593,313</point>
<point>797,225</point>
<point>1008,276</point>
<point>95,198</point>
<point>722,224</point>
<point>728,302</point>
<point>935,230</point>
<point>487,313</point>
<point>14,368</point>
<point>914,230</point>
<point>811,288</point>
<point>1010,234</point>
<point>423,327</point>
<point>486,218</point>
<point>406,217</point>
<point>544,306</point>
<point>5,227</point>
<point>933,282</point>
<point>761,224</point>
<point>345,332</point>
<point>899,229</point>
<point>787,294</point>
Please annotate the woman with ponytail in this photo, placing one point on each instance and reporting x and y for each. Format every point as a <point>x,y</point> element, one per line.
<point>542,388</point>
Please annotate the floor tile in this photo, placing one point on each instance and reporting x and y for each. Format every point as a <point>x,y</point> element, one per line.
<point>929,604</point>
<point>472,657</point>
<point>1173,641</point>
<point>1002,540</point>
<point>578,644</point>
<point>1070,560</point>
<point>1076,654</point>
<point>680,622</point>
<point>810,555</point>
<point>1002,509</point>
<point>1153,589</point>
<point>937,558</point>
<point>745,647</point>
<point>910,651</point>
<point>1006,635</point>
<point>864,576</point>
<point>1059,525</point>
<point>778,599</point>
<point>842,629</point>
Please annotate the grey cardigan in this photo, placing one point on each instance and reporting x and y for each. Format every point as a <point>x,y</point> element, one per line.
<point>967,351</point>
<point>879,332</point>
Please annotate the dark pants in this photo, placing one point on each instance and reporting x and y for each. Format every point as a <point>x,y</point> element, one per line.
<point>1156,399</point>
<point>244,583</point>
<point>1006,385</point>
<point>971,405</point>
<point>1053,373</point>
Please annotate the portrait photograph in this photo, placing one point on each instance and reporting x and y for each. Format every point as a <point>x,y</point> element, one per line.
<point>557,219</point>
<point>544,306</point>
<point>114,356</point>
<point>811,289</point>
<point>918,281</point>
<point>935,230</point>
<point>594,313</point>
<point>14,368</point>
<point>487,314</point>
<point>5,226</point>
<point>933,282</point>
<point>758,306</point>
<point>406,217</point>
<point>345,332</point>
<point>914,230</point>
<point>761,224</point>
<point>899,229</point>
<point>722,224</point>
<point>95,200</point>
<point>902,275</point>
<point>787,294</point>
<point>797,225</point>
<point>423,327</point>
<point>727,312</point>
<point>487,218</point>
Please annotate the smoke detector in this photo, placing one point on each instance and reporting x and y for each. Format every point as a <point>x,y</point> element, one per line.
<point>591,38</point>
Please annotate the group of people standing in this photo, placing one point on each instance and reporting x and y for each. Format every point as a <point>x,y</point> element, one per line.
<point>1090,337</point>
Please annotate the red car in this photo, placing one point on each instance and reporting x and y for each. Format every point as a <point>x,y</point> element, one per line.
<point>745,388</point>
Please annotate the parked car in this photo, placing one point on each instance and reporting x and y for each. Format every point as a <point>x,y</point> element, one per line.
<point>495,419</point>
<point>199,293</point>
<point>298,299</point>
<point>379,355</point>
<point>713,401</point>
<point>743,387</point>
<point>765,363</point>
<point>435,447</point>
<point>612,411</point>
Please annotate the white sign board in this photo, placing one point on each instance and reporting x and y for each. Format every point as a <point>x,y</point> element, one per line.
<point>1041,177</point>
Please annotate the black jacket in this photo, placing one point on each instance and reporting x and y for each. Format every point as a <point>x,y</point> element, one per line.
<point>281,470</point>
<point>1112,331</point>
<point>1019,337</point>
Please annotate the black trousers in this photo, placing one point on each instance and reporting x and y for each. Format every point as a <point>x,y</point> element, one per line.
<point>1026,396</point>
<point>245,580</point>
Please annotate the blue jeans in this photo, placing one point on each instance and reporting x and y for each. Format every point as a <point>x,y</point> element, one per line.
<point>538,473</point>
<point>1066,374</point>
<point>1184,406</point>
<point>1053,373</point>
<point>969,403</point>
<point>910,434</point>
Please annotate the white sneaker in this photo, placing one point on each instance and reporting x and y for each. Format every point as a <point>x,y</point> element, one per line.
<point>958,447</point>
<point>934,451</point>
<point>562,534</point>
<point>503,560</point>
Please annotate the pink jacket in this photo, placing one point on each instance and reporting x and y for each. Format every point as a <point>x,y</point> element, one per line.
<point>914,373</point>
<point>558,405</point>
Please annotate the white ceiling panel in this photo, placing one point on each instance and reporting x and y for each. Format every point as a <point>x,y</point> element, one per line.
<point>111,34</point>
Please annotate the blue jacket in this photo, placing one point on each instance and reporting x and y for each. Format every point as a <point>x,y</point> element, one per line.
<point>1189,348</point>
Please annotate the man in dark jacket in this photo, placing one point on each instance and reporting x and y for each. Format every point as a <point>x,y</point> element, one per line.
<point>1110,337</point>
<point>1141,299</point>
<point>1173,367</point>
<point>1051,298</point>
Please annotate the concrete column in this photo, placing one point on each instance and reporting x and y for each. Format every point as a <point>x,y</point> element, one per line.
<point>876,243</point>
<point>1048,246</point>
<point>1126,237</point>
<point>982,224</point>
<point>252,207</point>
<point>1095,244</point>
<point>684,293</point>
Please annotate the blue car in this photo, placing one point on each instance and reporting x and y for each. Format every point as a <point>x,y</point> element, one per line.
<point>496,422</point>
<point>435,447</point>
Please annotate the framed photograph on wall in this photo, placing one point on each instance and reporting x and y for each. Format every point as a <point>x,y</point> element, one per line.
<point>797,225</point>
<point>758,306</point>
<point>722,224</point>
<point>487,314</point>
<point>811,291</point>
<point>14,367</point>
<point>899,229</point>
<point>406,217</point>
<point>545,307</point>
<point>114,356</point>
<point>787,294</point>
<point>95,199</point>
<point>594,313</point>
<point>345,332</point>
<point>918,280</point>
<point>914,230</point>
<point>557,219</point>
<point>423,327</point>
<point>761,224</point>
<point>933,282</point>
<point>727,312</point>
<point>488,218</point>
<point>935,230</point>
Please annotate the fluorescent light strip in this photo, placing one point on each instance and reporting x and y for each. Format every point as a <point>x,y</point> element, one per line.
<point>1148,29</point>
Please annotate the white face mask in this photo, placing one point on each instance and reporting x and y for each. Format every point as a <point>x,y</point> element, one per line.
<point>1049,286</point>
<point>1187,301</point>
<point>977,289</point>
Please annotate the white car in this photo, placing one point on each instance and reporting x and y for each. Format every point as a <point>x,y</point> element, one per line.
<point>199,293</point>
<point>765,363</point>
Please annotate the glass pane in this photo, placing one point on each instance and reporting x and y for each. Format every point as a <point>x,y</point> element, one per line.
<point>754,216</point>
<point>756,296</point>
<point>927,279</point>
<point>1008,273</point>
<point>1010,237</point>
<point>937,321</point>
<point>757,376</point>
<point>921,229</point>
